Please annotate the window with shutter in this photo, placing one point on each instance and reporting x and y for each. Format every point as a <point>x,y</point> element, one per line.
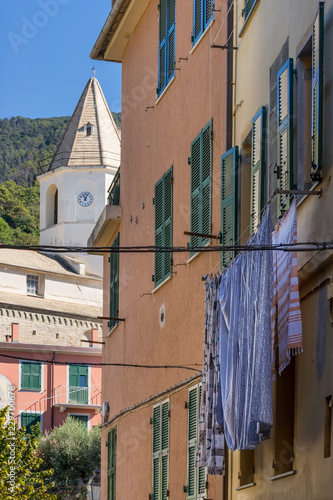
<point>257,168</point>
<point>167,43</point>
<point>161,416</point>
<point>114,283</point>
<point>163,226</point>
<point>229,201</point>
<point>78,384</point>
<point>317,93</point>
<point>285,133</point>
<point>31,376</point>
<point>201,167</point>
<point>196,476</point>
<point>112,445</point>
<point>203,14</point>
<point>28,419</point>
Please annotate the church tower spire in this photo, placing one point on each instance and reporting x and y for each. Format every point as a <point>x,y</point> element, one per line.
<point>73,188</point>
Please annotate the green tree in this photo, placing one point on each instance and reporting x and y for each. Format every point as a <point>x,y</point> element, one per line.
<point>73,453</point>
<point>19,208</point>
<point>20,473</point>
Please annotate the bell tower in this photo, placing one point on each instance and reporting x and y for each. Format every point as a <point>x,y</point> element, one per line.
<point>73,188</point>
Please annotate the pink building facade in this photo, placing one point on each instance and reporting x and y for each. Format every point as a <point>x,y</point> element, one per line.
<point>51,383</point>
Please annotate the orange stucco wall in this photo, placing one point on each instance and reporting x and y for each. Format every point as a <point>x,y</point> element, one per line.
<point>153,139</point>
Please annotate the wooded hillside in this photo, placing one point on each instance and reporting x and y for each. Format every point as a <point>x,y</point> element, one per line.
<point>23,143</point>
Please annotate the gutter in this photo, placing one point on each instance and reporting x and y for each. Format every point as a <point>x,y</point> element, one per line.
<point>106,29</point>
<point>229,75</point>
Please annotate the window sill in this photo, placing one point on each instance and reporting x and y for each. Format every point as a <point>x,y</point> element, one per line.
<point>112,330</point>
<point>160,97</point>
<point>197,254</point>
<point>245,486</point>
<point>246,22</point>
<point>162,284</point>
<point>32,390</point>
<point>197,43</point>
<point>313,187</point>
<point>285,474</point>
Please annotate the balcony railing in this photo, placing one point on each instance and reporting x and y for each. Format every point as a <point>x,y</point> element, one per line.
<point>78,159</point>
<point>114,190</point>
<point>77,396</point>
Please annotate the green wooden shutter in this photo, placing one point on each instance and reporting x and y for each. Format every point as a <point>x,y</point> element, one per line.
<point>159,226</point>
<point>161,451</point>
<point>167,42</point>
<point>285,133</point>
<point>192,442</point>
<point>196,476</point>
<point>78,384</point>
<point>112,442</point>
<point>114,283</point>
<point>208,14</point>
<point>163,226</point>
<point>201,167</point>
<point>162,45</point>
<point>257,167</point>
<point>171,38</point>
<point>30,419</point>
<point>165,450</point>
<point>197,20</point>
<point>31,376</point>
<point>229,194</point>
<point>317,94</point>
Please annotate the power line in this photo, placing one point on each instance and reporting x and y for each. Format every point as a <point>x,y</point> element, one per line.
<point>126,365</point>
<point>290,247</point>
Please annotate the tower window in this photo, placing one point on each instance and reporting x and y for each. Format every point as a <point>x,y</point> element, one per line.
<point>88,129</point>
<point>55,216</point>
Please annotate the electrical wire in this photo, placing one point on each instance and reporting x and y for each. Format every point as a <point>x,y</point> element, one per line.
<point>290,247</point>
<point>126,365</point>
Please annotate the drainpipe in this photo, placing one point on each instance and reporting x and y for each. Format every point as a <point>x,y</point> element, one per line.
<point>229,75</point>
<point>229,110</point>
<point>106,28</point>
<point>52,390</point>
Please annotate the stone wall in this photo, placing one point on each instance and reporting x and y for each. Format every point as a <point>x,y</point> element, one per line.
<point>47,329</point>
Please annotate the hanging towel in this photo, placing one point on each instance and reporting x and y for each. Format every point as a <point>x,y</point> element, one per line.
<point>286,310</point>
<point>254,393</point>
<point>211,439</point>
<point>245,397</point>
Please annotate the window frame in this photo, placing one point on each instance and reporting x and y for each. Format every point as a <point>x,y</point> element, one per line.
<point>88,367</point>
<point>21,386</point>
<point>32,286</point>
<point>204,23</point>
<point>29,412</point>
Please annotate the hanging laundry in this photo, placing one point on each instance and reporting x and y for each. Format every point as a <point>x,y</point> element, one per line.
<point>245,397</point>
<point>286,310</point>
<point>211,440</point>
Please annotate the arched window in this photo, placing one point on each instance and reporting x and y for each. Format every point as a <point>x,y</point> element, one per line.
<point>55,217</point>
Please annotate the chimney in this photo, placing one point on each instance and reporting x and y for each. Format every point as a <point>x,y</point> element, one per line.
<point>94,335</point>
<point>15,332</point>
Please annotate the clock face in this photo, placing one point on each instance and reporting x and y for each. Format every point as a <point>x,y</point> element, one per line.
<point>85,199</point>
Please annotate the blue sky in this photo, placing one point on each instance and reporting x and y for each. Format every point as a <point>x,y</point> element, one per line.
<point>44,53</point>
